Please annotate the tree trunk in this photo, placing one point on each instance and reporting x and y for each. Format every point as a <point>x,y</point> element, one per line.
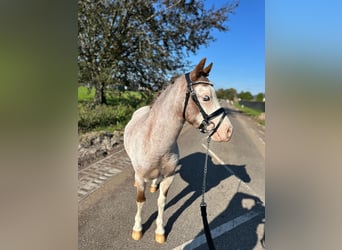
<point>100,96</point>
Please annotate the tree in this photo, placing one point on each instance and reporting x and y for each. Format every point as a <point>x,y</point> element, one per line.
<point>245,95</point>
<point>260,97</point>
<point>141,43</point>
<point>220,93</point>
<point>231,94</point>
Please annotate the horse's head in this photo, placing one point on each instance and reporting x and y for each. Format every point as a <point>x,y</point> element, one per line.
<point>202,108</point>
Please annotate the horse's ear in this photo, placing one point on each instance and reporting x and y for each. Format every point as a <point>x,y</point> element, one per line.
<point>207,69</point>
<point>196,73</point>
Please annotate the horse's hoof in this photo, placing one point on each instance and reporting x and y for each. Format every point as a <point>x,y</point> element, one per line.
<point>160,238</point>
<point>153,189</point>
<point>136,235</point>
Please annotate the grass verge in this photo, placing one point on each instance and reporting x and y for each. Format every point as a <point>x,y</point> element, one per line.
<point>254,113</point>
<point>112,116</point>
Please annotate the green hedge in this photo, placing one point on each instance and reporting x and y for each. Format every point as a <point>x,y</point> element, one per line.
<point>92,117</point>
<point>113,116</point>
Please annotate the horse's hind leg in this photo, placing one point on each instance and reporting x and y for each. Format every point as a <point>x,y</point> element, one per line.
<point>164,188</point>
<point>154,185</point>
<point>137,228</point>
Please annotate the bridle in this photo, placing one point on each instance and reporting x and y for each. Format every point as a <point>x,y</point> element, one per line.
<point>206,118</point>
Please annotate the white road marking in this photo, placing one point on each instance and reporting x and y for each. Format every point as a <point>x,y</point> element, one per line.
<point>226,227</point>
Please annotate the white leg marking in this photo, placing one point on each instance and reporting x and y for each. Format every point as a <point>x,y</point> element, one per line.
<point>154,182</point>
<point>154,185</point>
<point>137,224</point>
<point>164,187</point>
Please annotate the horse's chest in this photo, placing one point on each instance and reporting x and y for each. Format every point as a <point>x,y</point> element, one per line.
<point>156,166</point>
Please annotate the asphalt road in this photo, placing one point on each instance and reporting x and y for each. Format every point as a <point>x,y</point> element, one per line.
<point>235,197</point>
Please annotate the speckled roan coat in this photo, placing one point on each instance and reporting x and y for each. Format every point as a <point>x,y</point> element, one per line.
<point>151,134</point>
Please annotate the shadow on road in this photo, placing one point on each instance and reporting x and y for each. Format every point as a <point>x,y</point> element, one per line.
<point>192,173</point>
<point>243,236</point>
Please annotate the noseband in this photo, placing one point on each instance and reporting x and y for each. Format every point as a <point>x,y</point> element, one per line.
<point>206,118</point>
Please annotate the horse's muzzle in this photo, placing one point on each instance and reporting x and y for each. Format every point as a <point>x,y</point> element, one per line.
<point>223,134</point>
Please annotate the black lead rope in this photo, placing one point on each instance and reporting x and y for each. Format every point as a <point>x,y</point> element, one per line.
<point>204,205</point>
<point>203,128</point>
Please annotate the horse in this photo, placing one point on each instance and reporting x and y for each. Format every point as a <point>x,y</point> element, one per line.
<point>150,137</point>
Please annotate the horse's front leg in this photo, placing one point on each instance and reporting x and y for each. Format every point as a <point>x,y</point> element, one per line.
<point>164,188</point>
<point>137,228</point>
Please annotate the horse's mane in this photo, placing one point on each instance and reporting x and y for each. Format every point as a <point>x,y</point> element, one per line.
<point>164,88</point>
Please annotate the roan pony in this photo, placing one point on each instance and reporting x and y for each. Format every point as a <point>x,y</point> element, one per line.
<point>151,134</point>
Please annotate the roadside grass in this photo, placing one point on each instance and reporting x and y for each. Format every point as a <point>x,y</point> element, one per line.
<point>113,116</point>
<point>254,113</point>
<point>85,94</point>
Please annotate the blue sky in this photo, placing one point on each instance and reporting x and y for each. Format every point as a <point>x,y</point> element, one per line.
<point>238,55</point>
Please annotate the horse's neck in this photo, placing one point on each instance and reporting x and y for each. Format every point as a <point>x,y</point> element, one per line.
<point>164,120</point>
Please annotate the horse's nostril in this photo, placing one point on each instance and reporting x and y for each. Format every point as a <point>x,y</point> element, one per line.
<point>230,131</point>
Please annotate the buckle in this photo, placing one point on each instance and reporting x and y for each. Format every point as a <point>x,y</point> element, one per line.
<point>203,126</point>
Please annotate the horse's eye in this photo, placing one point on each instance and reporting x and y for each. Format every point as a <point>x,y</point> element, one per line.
<point>206,98</point>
